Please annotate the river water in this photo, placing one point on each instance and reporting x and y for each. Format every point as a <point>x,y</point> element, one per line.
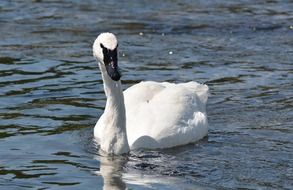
<point>51,92</point>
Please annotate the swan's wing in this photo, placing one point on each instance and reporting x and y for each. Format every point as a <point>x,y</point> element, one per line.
<point>166,112</point>
<point>142,92</point>
<point>145,91</point>
<point>201,90</point>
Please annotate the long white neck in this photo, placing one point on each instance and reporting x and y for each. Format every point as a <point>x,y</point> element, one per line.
<point>114,137</point>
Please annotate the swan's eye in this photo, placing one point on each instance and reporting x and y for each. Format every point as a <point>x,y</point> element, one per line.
<point>109,55</point>
<point>105,50</point>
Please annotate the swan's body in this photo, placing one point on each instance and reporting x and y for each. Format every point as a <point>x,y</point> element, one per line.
<point>148,114</point>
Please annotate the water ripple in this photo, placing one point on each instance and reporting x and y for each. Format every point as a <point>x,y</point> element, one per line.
<point>51,92</point>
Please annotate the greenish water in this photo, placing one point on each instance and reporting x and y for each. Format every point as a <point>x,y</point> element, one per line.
<point>51,92</point>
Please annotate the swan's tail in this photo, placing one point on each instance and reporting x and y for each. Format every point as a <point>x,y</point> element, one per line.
<point>202,90</point>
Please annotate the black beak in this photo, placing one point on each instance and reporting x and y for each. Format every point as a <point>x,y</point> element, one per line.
<point>111,62</point>
<point>113,70</point>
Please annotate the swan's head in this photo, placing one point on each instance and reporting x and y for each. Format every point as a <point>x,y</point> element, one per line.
<point>105,50</point>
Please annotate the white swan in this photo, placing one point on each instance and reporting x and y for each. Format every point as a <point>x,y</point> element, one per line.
<point>149,114</point>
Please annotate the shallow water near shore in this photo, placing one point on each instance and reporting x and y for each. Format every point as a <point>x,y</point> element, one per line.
<point>51,92</point>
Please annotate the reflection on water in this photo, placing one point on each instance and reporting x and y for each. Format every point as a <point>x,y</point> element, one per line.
<point>51,92</point>
<point>111,169</point>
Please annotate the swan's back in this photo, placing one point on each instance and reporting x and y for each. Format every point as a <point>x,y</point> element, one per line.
<point>162,115</point>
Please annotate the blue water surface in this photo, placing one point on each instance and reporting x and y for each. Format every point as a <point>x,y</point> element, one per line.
<point>51,92</point>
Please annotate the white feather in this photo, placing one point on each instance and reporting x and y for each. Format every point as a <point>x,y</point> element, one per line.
<point>149,114</point>
<point>162,115</point>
